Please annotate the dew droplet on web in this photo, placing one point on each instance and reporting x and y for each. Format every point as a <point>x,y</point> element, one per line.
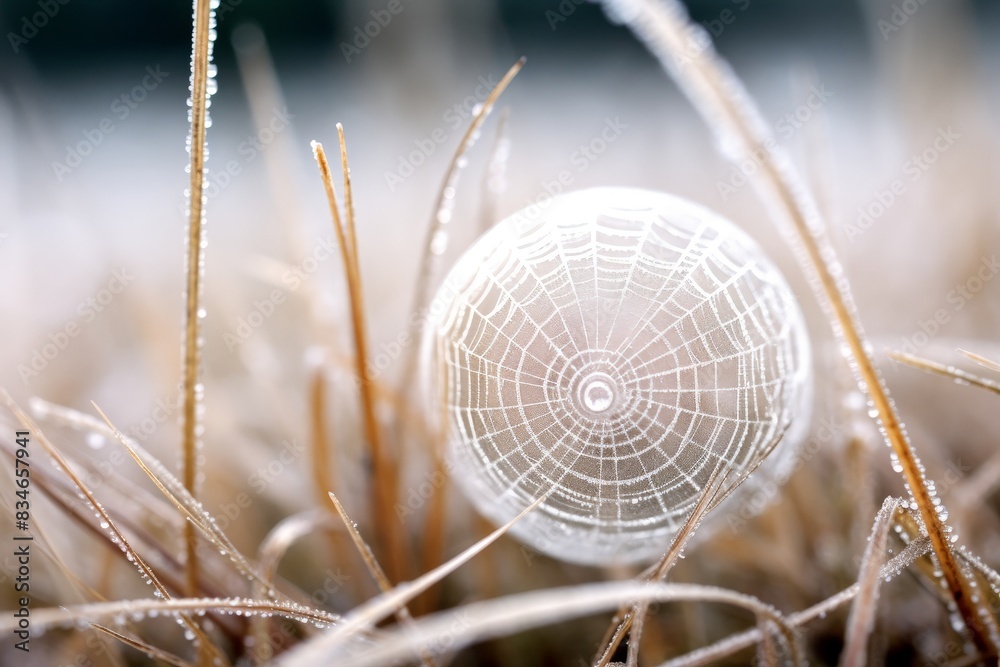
<point>439,243</point>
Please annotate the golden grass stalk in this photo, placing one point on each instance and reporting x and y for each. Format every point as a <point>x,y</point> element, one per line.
<point>432,551</point>
<point>686,53</point>
<point>981,360</point>
<point>264,94</point>
<point>206,646</point>
<point>738,642</point>
<point>433,249</point>
<point>191,346</point>
<point>377,609</point>
<point>384,585</point>
<point>863,612</point>
<point>628,615</point>
<point>434,521</point>
<point>280,539</point>
<point>433,530</point>
<point>988,576</point>
<point>500,617</point>
<point>182,608</point>
<point>151,651</point>
<point>713,488</point>
<point>383,484</point>
<point>68,502</point>
<point>189,507</point>
<point>956,374</point>
<point>270,553</point>
<point>321,445</point>
<point>85,591</point>
<point>716,490</point>
<point>322,453</point>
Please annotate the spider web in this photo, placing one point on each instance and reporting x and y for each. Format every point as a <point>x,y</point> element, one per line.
<point>616,350</point>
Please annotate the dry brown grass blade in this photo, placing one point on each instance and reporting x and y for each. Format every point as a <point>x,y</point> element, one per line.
<point>402,614</point>
<point>68,502</point>
<point>686,51</point>
<point>174,491</point>
<point>383,484</point>
<point>861,622</point>
<point>987,579</point>
<point>859,453</point>
<point>990,576</point>
<point>49,551</point>
<point>505,616</point>
<point>272,550</point>
<point>280,539</point>
<point>179,607</point>
<point>715,491</point>
<point>981,360</point>
<point>322,447</point>
<point>433,249</point>
<point>65,496</point>
<point>366,553</point>
<point>433,544</point>
<point>767,649</point>
<point>169,486</point>
<point>414,420</point>
<point>713,488</point>
<point>488,584</point>
<point>727,488</point>
<point>734,643</point>
<point>352,238</point>
<point>628,614</point>
<point>264,94</point>
<point>386,468</point>
<point>189,507</point>
<point>925,569</point>
<point>956,374</point>
<point>194,272</point>
<point>434,521</point>
<point>133,556</point>
<point>152,652</point>
<point>323,454</point>
<point>121,485</point>
<point>377,609</point>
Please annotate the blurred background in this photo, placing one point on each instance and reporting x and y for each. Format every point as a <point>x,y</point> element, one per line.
<point>854,90</point>
<point>888,82</point>
<point>889,109</point>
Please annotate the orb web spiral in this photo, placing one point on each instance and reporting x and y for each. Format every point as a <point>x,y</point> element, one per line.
<point>612,346</point>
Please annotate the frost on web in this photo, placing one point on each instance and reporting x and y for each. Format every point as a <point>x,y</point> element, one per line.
<point>613,346</point>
